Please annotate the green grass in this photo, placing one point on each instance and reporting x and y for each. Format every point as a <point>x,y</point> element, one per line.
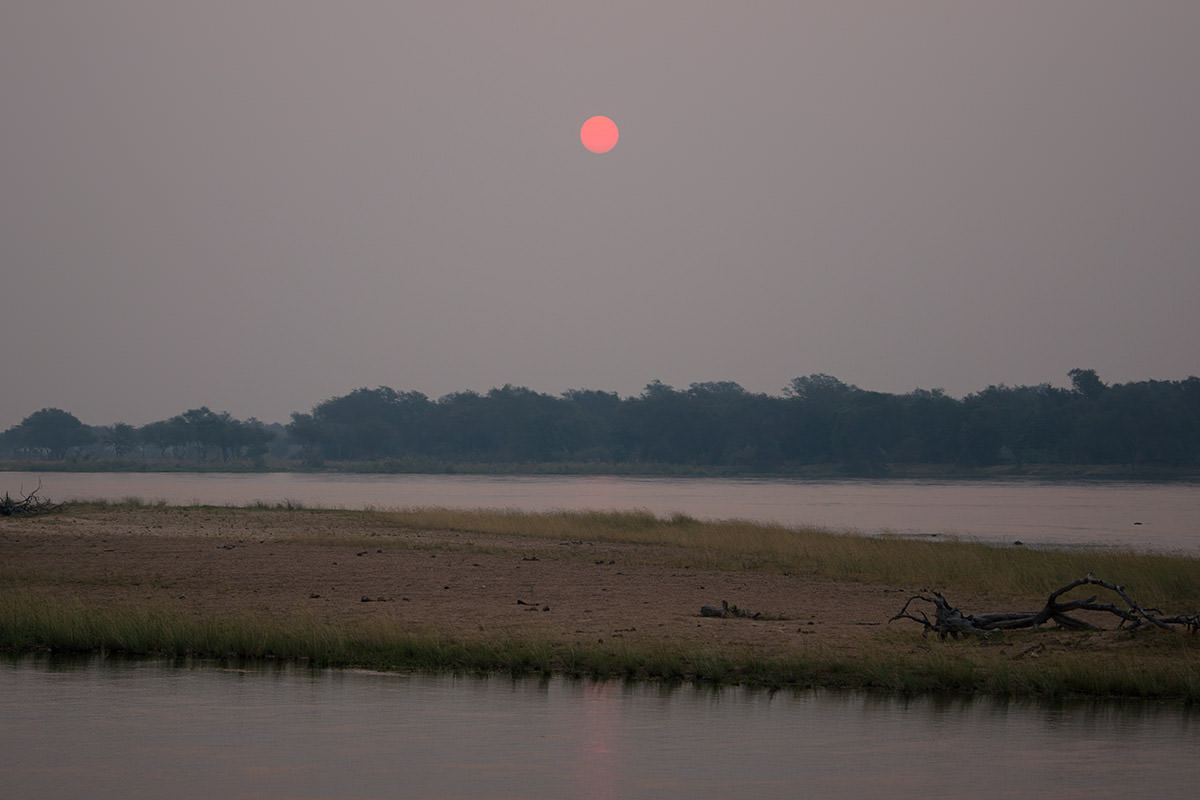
<point>35,625</point>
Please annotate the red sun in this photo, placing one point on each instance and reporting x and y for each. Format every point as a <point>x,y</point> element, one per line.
<point>599,134</point>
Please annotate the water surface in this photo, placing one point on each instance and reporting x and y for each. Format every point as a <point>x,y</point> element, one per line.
<point>114,729</point>
<point>1140,515</point>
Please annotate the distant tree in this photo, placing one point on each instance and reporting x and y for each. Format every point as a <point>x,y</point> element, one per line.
<point>1009,423</point>
<point>281,444</point>
<point>247,439</point>
<point>201,432</point>
<point>1014,423</point>
<point>365,424</point>
<point>51,433</point>
<point>461,428</point>
<point>165,435</point>
<point>591,423</point>
<point>661,426</point>
<point>981,434</point>
<point>732,426</point>
<point>932,421</point>
<point>121,438</point>
<point>814,404</point>
<point>1147,422</point>
<point>529,425</point>
<point>1087,383</point>
<point>866,430</point>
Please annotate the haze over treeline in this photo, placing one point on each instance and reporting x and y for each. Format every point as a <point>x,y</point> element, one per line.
<point>257,205</point>
<point>817,420</point>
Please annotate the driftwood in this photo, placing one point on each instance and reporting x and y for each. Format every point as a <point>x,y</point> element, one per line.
<point>726,611</point>
<point>950,621</point>
<point>27,504</point>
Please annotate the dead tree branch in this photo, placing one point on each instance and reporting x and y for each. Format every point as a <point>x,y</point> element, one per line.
<point>27,504</point>
<point>950,621</point>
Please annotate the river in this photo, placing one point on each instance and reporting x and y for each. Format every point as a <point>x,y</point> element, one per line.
<point>139,729</point>
<point>1142,516</point>
<point>117,729</point>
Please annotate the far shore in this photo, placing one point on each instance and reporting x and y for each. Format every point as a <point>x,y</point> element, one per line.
<point>606,595</point>
<point>950,472</point>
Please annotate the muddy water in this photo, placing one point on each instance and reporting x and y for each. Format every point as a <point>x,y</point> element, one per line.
<point>1164,517</point>
<point>112,729</point>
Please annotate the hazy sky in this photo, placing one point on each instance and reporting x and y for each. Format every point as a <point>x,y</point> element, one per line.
<point>255,205</point>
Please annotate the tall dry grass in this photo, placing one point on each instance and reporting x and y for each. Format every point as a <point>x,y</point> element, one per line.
<point>740,545</point>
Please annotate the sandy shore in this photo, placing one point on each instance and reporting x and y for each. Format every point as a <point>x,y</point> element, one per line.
<point>348,567</point>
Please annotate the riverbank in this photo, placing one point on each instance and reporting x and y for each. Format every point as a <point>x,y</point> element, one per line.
<point>425,466</point>
<point>585,593</point>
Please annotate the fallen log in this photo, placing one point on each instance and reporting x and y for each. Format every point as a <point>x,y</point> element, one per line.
<point>952,622</point>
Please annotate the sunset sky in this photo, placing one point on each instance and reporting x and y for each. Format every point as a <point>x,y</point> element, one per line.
<point>255,205</point>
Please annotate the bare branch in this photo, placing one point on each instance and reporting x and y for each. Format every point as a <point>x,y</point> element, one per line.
<point>27,504</point>
<point>950,621</point>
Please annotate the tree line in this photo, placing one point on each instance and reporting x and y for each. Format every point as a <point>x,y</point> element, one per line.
<point>197,435</point>
<point>817,420</point>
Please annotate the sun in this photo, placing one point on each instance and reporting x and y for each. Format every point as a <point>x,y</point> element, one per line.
<point>599,134</point>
